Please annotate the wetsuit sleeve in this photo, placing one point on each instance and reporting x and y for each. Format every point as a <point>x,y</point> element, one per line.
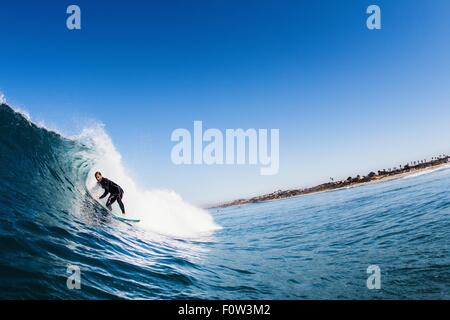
<point>106,187</point>
<point>104,194</point>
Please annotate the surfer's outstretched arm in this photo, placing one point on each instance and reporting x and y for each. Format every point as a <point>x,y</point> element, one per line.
<point>104,194</point>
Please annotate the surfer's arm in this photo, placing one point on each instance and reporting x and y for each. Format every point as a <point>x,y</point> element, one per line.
<point>104,194</point>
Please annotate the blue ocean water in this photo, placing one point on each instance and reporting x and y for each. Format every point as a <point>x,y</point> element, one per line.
<point>310,247</point>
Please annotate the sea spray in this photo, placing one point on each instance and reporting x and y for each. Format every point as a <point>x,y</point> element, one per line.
<point>161,211</point>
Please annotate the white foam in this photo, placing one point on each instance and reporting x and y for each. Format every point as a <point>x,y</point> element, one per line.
<point>161,211</point>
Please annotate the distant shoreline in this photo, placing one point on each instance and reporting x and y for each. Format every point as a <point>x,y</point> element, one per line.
<point>382,175</point>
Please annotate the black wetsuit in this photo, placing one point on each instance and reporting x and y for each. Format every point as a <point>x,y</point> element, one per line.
<point>116,193</point>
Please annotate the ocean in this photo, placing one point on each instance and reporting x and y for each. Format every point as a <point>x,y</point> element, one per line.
<point>316,246</point>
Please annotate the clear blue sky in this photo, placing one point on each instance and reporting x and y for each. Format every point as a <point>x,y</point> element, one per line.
<point>347,100</point>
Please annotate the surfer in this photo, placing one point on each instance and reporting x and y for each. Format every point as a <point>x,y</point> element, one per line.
<point>116,192</point>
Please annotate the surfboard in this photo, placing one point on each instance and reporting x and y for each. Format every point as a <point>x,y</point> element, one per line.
<point>123,217</point>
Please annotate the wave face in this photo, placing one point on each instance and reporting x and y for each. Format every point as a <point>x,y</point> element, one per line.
<point>46,205</point>
<point>311,247</point>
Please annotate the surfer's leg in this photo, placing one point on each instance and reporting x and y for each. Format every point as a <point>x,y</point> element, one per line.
<point>119,201</point>
<point>111,200</point>
<point>122,207</point>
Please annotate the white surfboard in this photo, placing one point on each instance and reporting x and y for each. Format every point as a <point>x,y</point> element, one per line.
<point>123,217</point>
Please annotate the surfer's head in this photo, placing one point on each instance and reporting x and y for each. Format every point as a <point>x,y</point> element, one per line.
<point>98,176</point>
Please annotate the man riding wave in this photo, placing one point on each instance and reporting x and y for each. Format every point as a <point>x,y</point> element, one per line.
<point>116,192</point>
